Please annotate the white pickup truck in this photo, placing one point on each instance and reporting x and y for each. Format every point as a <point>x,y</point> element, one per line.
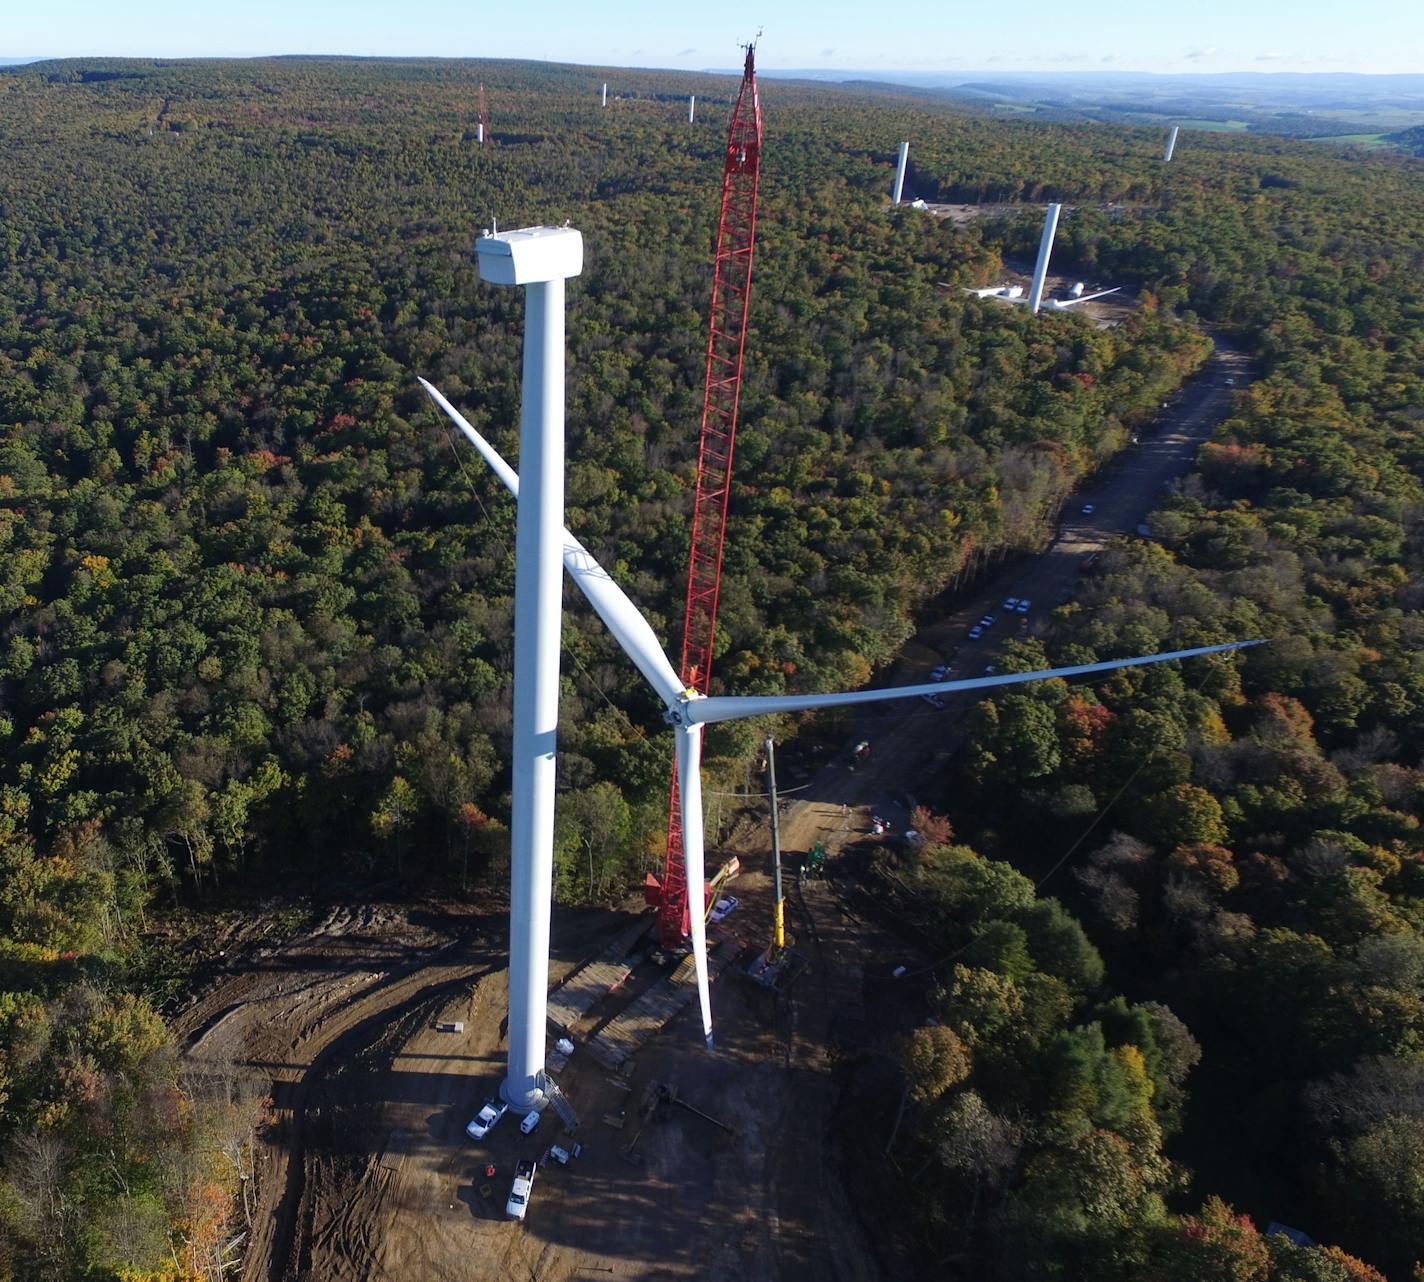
<point>523,1186</point>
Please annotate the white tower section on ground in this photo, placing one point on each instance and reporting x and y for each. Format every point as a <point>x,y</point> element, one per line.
<point>691,107</point>
<point>1045,248</point>
<point>540,259</point>
<point>1171,144</point>
<point>604,103</point>
<point>900,172</point>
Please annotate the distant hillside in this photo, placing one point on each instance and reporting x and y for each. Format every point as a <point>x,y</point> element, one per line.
<point>1294,104</point>
<point>1411,140</point>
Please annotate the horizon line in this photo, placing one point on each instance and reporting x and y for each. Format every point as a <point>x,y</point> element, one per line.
<point>849,73</point>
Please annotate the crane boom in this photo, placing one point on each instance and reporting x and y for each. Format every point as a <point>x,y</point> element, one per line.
<point>731,295</point>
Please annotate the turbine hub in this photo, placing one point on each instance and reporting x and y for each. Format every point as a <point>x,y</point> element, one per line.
<point>673,713</point>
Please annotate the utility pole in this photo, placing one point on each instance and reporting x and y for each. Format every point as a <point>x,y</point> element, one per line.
<point>778,942</point>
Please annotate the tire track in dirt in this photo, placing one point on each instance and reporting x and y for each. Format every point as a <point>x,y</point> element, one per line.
<point>340,1021</point>
<point>294,1010</point>
<point>362,1020</point>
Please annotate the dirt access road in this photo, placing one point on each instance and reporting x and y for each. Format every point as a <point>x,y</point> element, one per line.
<point>368,1174</point>
<point>911,742</point>
<point>321,1017</point>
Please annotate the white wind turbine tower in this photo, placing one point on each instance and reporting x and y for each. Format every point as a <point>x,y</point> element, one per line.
<point>535,257</point>
<point>1035,299</point>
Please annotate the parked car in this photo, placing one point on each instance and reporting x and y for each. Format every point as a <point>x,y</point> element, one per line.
<point>1087,509</point>
<point>933,700</point>
<point>486,1118</point>
<point>724,907</point>
<point>1023,605</point>
<point>1231,382</point>
<point>976,632</point>
<point>940,672</point>
<point>559,1154</point>
<point>987,621</point>
<point>990,669</point>
<point>523,1186</point>
<point>530,1121</point>
<point>1011,605</point>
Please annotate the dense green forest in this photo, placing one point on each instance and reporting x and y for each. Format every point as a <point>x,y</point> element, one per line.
<point>256,609</point>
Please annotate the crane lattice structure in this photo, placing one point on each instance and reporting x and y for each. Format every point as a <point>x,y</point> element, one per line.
<point>731,295</point>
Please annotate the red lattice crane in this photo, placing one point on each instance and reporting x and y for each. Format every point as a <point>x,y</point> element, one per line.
<point>731,293</point>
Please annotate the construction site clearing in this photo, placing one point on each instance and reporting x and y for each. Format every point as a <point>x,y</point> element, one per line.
<point>381,1032</point>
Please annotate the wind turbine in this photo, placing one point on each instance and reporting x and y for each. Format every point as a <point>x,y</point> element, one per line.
<point>1035,299</point>
<point>687,712</point>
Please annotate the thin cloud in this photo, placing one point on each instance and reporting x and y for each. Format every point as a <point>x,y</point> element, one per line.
<point>828,53</point>
<point>1271,56</point>
<point>1196,55</point>
<point>683,53</point>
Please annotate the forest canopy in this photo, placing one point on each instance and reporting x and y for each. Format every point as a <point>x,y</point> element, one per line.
<point>255,604</point>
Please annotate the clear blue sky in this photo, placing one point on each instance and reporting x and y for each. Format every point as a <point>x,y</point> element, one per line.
<point>908,35</point>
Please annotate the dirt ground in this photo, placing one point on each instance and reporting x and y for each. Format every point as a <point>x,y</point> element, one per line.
<point>367,1172</point>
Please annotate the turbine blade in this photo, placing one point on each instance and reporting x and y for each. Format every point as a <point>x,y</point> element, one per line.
<point>730,708</point>
<point>622,618</point>
<point>490,455</point>
<point>1065,304</point>
<point>689,783</point>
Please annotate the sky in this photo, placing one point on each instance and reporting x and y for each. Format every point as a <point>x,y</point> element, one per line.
<point>903,35</point>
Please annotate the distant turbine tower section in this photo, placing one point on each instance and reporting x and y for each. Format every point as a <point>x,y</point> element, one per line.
<point>1171,144</point>
<point>691,108</point>
<point>1045,248</point>
<point>482,129</point>
<point>900,172</point>
<point>540,259</point>
<point>604,103</point>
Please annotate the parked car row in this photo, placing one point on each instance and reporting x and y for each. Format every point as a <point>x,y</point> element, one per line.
<point>494,1109</point>
<point>1012,605</point>
<point>490,1114</point>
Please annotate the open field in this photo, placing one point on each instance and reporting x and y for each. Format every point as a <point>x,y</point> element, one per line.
<point>1358,140</point>
<point>1213,126</point>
